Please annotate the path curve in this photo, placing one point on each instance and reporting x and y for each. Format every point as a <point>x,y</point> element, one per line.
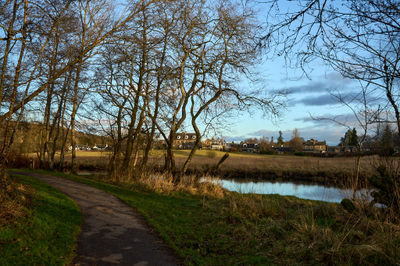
<point>112,232</point>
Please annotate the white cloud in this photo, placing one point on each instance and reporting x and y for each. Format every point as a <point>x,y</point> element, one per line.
<point>330,133</point>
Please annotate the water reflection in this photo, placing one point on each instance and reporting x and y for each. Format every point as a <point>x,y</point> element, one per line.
<point>304,191</point>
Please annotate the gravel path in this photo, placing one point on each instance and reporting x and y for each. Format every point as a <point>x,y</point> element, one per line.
<point>112,232</point>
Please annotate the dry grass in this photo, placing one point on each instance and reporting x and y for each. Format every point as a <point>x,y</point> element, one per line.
<point>292,230</point>
<point>263,229</point>
<point>334,171</point>
<point>204,158</point>
<point>80,154</point>
<point>237,160</point>
<point>14,201</point>
<point>161,183</point>
<point>90,160</point>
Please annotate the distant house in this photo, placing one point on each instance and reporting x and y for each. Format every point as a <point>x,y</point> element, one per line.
<point>218,144</point>
<point>207,143</point>
<point>84,148</point>
<point>232,146</point>
<point>349,149</point>
<point>184,140</point>
<point>250,147</point>
<point>334,149</point>
<point>373,147</point>
<point>282,148</point>
<point>315,146</point>
<point>80,148</point>
<point>214,144</point>
<point>100,147</point>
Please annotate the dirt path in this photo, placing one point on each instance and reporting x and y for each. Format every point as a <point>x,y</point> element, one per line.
<point>112,232</point>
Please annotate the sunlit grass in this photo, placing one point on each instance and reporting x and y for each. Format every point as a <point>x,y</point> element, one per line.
<point>47,234</point>
<point>209,226</point>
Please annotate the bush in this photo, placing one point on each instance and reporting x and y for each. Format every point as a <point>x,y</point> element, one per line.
<point>270,152</point>
<point>15,160</point>
<point>386,181</point>
<point>348,205</point>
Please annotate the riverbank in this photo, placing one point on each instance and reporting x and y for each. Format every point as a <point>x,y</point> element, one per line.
<point>207,225</point>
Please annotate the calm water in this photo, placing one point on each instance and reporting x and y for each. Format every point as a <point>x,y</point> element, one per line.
<point>304,191</point>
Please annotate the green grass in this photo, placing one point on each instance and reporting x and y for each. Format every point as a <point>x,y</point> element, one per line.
<point>259,229</point>
<point>47,235</point>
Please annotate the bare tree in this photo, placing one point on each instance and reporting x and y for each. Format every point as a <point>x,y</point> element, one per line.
<point>366,111</point>
<point>214,43</point>
<point>296,142</point>
<point>113,104</point>
<point>170,68</point>
<point>360,40</point>
<point>20,34</point>
<point>16,35</point>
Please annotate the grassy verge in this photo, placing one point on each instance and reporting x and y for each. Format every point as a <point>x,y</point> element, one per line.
<point>46,235</point>
<point>229,228</point>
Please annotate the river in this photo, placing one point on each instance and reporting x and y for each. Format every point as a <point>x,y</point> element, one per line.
<point>304,191</point>
<point>300,190</point>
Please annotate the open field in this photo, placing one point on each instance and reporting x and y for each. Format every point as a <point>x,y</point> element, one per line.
<point>334,171</point>
<point>256,166</point>
<point>208,226</point>
<point>324,170</point>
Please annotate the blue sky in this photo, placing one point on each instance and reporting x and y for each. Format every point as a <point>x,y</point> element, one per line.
<point>307,97</point>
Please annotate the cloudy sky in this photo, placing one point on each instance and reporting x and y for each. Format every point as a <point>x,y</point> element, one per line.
<point>308,98</point>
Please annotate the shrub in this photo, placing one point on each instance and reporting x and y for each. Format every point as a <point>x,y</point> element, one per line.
<point>268,152</point>
<point>348,205</point>
<point>386,181</point>
<point>15,160</point>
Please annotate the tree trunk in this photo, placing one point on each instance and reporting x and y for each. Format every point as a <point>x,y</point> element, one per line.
<point>4,182</point>
<point>73,116</point>
<point>357,175</point>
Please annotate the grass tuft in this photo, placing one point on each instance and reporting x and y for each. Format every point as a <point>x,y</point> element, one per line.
<point>13,202</point>
<point>46,233</point>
